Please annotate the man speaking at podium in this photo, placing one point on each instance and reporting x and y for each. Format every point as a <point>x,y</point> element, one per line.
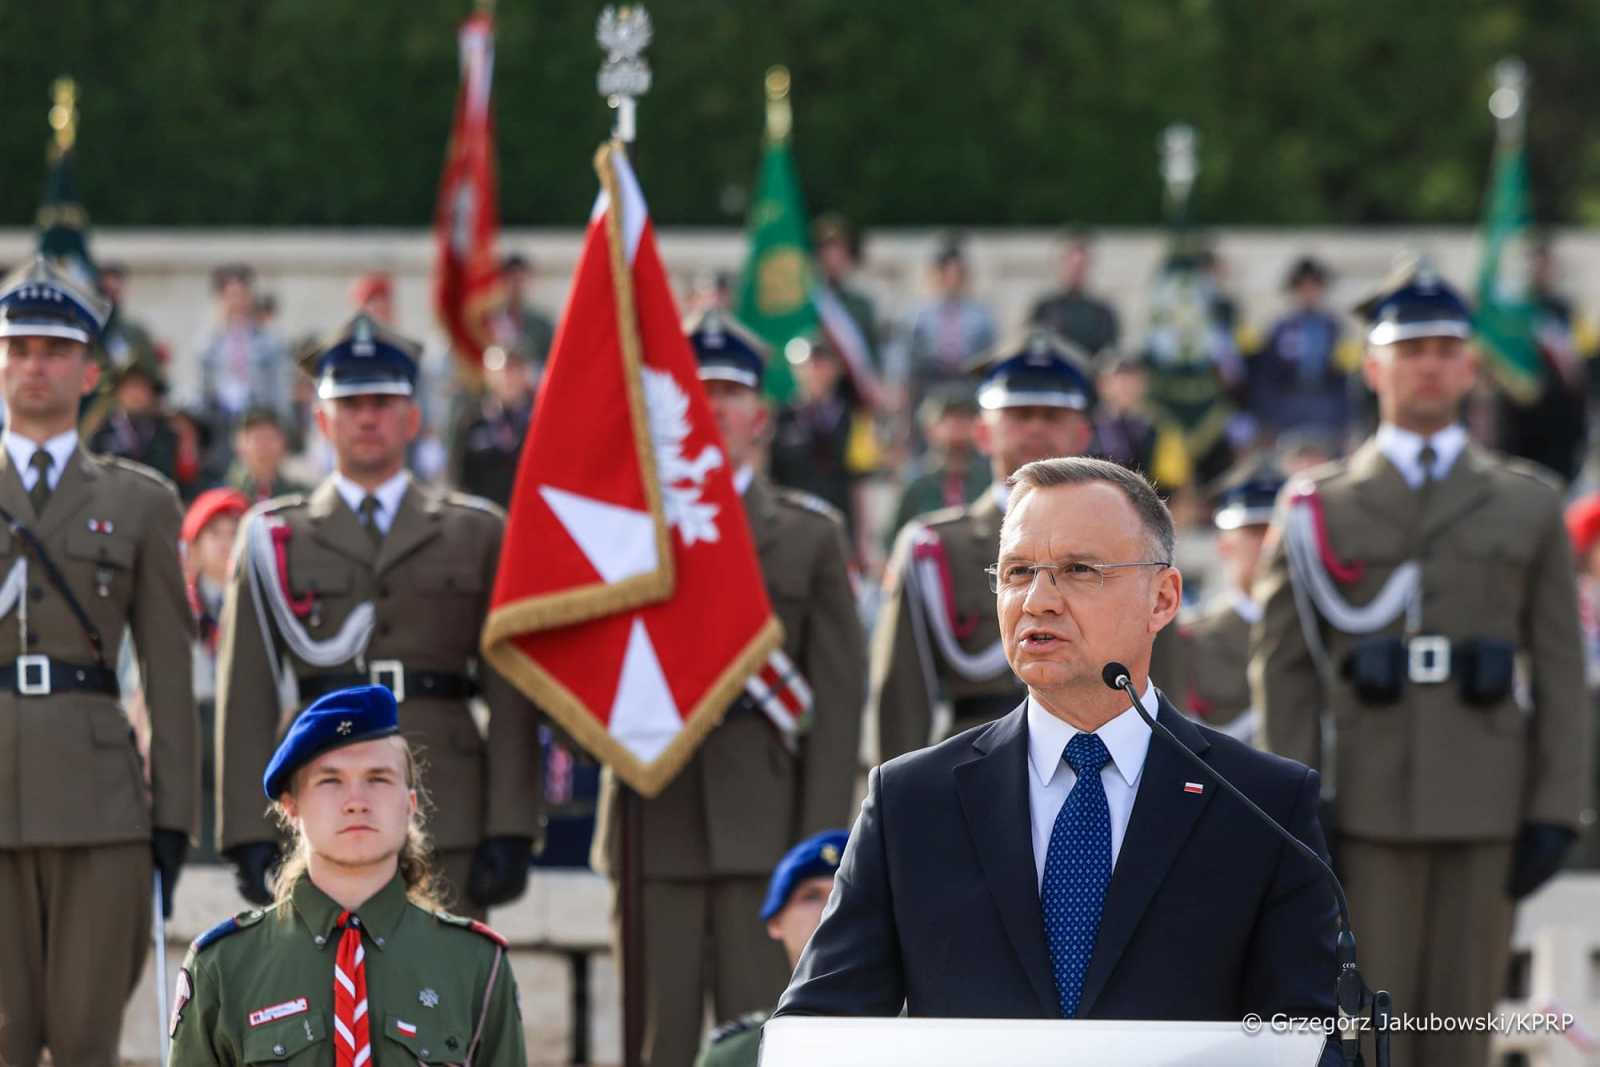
<point>1063,862</point>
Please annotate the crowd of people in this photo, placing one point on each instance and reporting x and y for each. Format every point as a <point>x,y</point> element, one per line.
<point>377,483</point>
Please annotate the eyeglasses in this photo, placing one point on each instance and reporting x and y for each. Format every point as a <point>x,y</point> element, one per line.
<point>1073,576</point>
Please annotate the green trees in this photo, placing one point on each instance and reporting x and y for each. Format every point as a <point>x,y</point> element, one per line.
<point>335,112</point>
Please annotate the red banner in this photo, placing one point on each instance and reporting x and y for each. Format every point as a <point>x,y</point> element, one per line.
<point>629,603</point>
<point>466,281</point>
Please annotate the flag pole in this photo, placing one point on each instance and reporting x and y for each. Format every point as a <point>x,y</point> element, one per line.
<point>623,33</point>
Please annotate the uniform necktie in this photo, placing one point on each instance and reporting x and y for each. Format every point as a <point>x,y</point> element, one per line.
<point>369,518</point>
<point>1426,459</point>
<point>39,495</point>
<point>1077,869</point>
<point>353,1045</point>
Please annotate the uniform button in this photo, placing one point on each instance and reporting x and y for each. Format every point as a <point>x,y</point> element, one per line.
<point>278,1050</point>
<point>36,593</point>
<point>426,1052</point>
<point>319,939</point>
<point>451,1043</point>
<point>384,630</point>
<point>380,942</point>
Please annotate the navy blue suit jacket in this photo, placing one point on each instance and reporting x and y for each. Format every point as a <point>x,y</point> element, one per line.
<point>1209,915</point>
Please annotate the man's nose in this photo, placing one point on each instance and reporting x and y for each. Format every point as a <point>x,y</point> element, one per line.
<point>1044,595</point>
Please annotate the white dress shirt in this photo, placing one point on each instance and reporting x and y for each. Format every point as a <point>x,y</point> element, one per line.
<point>1402,448</point>
<point>20,451</point>
<point>388,494</point>
<point>742,479</point>
<point>1051,778</point>
<point>1245,607</point>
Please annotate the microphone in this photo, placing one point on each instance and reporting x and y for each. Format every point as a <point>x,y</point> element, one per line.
<point>1351,992</point>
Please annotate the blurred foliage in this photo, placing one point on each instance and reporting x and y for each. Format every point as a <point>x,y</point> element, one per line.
<point>335,112</point>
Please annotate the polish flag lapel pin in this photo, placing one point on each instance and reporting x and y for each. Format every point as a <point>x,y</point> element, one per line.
<point>1193,787</point>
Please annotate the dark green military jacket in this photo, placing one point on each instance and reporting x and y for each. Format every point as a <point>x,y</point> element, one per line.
<point>735,1044</point>
<point>259,987</point>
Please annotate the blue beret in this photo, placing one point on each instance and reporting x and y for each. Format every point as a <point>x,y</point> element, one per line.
<point>363,358</point>
<point>343,717</point>
<point>1248,499</point>
<point>727,350</point>
<point>39,299</point>
<point>816,857</point>
<point>1414,301</point>
<point>1047,371</point>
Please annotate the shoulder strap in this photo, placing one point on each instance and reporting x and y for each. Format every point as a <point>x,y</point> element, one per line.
<point>54,576</point>
<point>488,998</point>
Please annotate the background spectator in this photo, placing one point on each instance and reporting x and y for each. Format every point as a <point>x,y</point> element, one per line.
<point>1072,311</point>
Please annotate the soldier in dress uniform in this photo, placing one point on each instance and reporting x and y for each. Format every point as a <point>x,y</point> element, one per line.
<point>375,577</point>
<point>355,962</point>
<point>1208,675</point>
<point>937,639</point>
<point>799,890</point>
<point>1420,594</point>
<point>88,549</point>
<point>712,837</point>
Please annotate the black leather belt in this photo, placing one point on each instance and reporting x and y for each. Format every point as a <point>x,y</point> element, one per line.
<point>402,682</point>
<point>38,675</point>
<point>986,708</point>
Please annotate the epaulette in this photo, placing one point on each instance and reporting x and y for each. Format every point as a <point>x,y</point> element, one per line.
<point>481,929</point>
<point>1533,472</point>
<point>940,516</point>
<point>227,926</point>
<point>808,502</point>
<point>476,503</point>
<point>743,1024</point>
<point>135,467</point>
<point>278,503</point>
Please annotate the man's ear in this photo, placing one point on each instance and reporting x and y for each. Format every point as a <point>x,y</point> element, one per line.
<point>1168,599</point>
<point>91,375</point>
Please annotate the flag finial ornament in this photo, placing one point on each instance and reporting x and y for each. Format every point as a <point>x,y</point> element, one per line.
<point>64,115</point>
<point>624,33</point>
<point>780,117</point>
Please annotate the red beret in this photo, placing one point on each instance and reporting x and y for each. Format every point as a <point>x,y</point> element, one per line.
<point>209,505</point>
<point>372,284</point>
<point>1583,525</point>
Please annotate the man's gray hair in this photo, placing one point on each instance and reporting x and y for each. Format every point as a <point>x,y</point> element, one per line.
<point>1080,470</point>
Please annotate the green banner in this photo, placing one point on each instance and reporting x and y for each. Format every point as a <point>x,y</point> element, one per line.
<point>775,290</point>
<point>63,223</point>
<point>1506,314</point>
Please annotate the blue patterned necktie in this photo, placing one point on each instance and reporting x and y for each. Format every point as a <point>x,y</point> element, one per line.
<point>1077,869</point>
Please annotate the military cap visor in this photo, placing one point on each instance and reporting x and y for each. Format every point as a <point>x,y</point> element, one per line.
<point>39,299</point>
<point>817,856</point>
<point>343,717</point>
<point>365,358</point>
<point>1046,372</point>
<point>1249,499</point>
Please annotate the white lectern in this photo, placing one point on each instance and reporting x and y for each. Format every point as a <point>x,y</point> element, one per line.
<point>807,1042</point>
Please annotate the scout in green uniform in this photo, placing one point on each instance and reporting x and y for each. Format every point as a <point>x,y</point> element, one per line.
<point>937,641</point>
<point>1208,677</point>
<point>374,577</point>
<point>953,474</point>
<point>1420,595</point>
<point>88,551</point>
<point>712,837</point>
<point>355,962</point>
<point>799,890</point>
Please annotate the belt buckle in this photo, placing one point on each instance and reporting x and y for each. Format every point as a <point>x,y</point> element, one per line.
<point>391,674</point>
<point>33,675</point>
<point>1429,659</point>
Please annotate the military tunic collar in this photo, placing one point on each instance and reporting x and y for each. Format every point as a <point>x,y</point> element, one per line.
<point>388,495</point>
<point>379,915</point>
<point>1402,448</point>
<point>21,449</point>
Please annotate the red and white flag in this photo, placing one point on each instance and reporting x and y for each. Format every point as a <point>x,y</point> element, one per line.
<point>629,603</point>
<point>466,277</point>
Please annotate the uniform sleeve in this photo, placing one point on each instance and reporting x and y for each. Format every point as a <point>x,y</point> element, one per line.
<point>1559,753</point>
<point>835,665</point>
<point>514,785</point>
<point>1169,662</point>
<point>247,710</point>
<point>194,1025</point>
<point>163,635</point>
<point>899,691</point>
<point>501,1043</point>
<point>1284,685</point>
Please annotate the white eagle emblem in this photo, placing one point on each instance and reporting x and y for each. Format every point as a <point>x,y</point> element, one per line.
<point>682,479</point>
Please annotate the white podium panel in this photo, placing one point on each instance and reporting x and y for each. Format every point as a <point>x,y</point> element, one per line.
<point>806,1042</point>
